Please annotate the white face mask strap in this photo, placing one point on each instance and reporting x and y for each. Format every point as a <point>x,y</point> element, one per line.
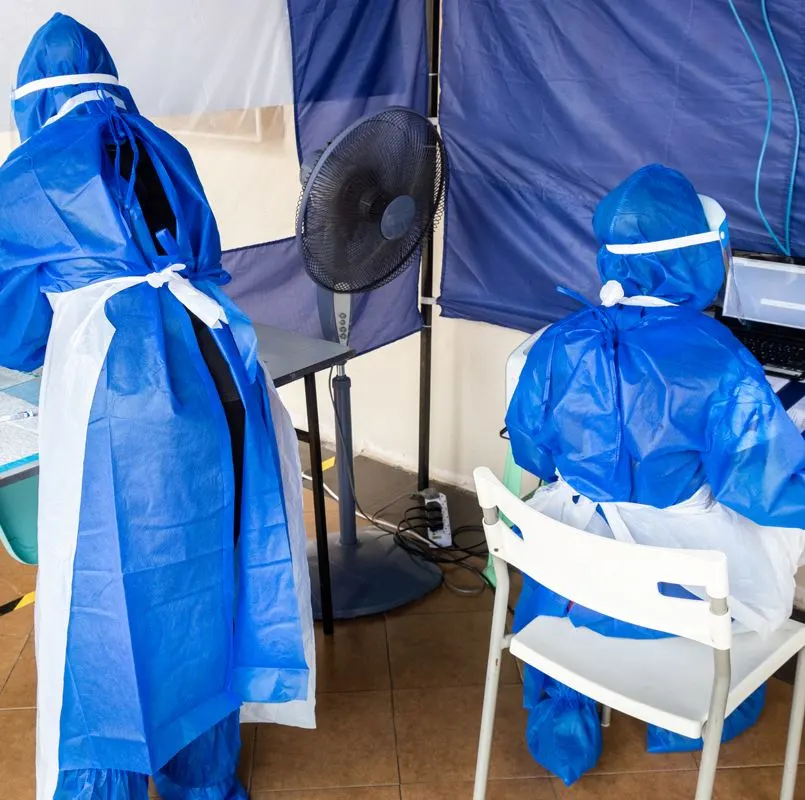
<point>643,248</point>
<point>94,95</point>
<point>716,219</point>
<point>56,81</point>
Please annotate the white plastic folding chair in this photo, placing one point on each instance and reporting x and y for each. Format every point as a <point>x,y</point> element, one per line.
<point>687,683</point>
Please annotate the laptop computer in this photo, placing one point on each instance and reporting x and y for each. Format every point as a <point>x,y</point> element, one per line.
<point>755,319</point>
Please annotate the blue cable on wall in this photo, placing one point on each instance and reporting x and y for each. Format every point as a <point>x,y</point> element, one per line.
<point>797,129</point>
<point>785,248</point>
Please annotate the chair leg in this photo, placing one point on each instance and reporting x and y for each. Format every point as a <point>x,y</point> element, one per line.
<point>709,764</point>
<point>496,648</point>
<point>606,716</point>
<point>794,732</point>
<point>714,727</point>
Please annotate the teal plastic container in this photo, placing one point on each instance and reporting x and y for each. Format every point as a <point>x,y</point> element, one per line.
<point>19,505</point>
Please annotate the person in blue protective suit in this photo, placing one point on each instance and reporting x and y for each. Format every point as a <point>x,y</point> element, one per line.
<point>651,423</point>
<point>173,585</point>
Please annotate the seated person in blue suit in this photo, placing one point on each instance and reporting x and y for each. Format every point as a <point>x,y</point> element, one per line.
<point>651,423</point>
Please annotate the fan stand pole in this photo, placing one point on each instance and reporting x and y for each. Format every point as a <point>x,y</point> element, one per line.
<point>434,14</point>
<point>370,574</point>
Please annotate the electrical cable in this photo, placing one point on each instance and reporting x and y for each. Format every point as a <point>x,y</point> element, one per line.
<point>374,518</point>
<point>769,117</point>
<point>410,533</point>
<point>784,248</point>
<point>391,529</point>
<point>797,128</point>
<point>412,536</point>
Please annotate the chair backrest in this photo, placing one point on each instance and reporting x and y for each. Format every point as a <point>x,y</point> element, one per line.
<point>619,579</point>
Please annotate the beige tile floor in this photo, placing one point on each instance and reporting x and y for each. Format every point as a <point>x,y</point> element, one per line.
<point>399,707</point>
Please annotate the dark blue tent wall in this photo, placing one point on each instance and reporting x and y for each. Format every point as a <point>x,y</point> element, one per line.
<point>547,105</point>
<point>350,58</point>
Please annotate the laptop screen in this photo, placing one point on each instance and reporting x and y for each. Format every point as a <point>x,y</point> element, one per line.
<point>765,288</point>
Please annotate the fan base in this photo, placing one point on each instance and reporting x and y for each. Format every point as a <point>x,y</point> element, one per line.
<point>371,578</point>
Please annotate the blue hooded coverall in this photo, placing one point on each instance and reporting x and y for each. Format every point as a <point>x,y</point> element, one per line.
<point>646,405</point>
<point>169,589</point>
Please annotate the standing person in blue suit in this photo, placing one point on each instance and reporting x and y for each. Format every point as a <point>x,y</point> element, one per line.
<point>651,423</point>
<point>173,584</point>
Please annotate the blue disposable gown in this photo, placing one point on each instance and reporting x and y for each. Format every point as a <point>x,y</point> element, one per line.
<point>152,626</point>
<point>649,404</point>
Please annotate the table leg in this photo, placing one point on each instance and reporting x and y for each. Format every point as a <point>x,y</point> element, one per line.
<point>317,474</point>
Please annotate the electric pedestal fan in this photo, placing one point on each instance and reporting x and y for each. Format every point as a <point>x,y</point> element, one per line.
<point>369,201</point>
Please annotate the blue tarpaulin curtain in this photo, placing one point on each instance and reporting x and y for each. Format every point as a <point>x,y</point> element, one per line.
<point>546,106</point>
<point>350,58</point>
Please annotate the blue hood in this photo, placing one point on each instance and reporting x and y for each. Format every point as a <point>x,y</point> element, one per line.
<point>652,204</point>
<point>62,46</point>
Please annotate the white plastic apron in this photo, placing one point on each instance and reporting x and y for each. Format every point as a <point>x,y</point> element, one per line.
<point>298,713</point>
<point>77,348</point>
<point>762,561</point>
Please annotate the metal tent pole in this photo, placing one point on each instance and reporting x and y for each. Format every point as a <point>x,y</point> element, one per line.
<point>348,533</point>
<point>434,18</point>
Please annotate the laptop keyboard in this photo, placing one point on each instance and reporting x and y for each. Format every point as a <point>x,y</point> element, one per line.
<point>778,355</point>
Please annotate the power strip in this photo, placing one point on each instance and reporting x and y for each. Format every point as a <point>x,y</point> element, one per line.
<point>438,518</point>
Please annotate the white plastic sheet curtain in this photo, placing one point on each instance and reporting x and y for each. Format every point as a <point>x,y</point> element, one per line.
<point>180,57</point>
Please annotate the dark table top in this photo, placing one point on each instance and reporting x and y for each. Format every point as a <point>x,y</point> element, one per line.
<point>290,356</point>
<point>287,357</point>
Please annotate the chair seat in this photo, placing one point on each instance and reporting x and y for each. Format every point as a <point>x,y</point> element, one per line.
<point>666,682</point>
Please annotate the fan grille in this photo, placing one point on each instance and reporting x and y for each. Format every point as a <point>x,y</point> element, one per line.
<point>391,154</point>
